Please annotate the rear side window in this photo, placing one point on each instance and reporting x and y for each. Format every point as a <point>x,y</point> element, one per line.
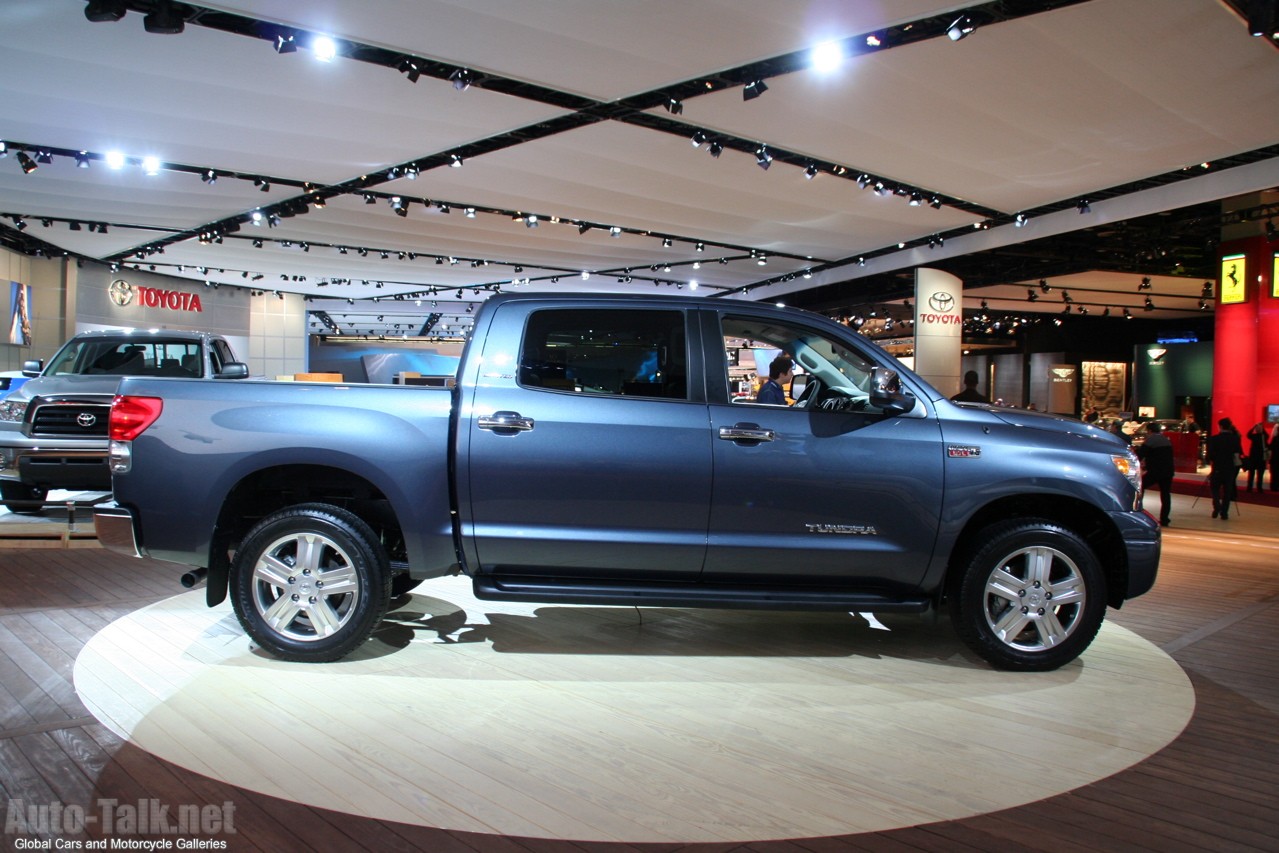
<point>616,352</point>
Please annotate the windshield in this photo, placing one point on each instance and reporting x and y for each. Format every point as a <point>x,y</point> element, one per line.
<point>115,357</point>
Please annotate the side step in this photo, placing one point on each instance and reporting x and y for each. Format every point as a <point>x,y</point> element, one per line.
<point>554,590</point>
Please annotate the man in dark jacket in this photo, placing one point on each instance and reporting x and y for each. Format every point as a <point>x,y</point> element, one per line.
<point>780,372</point>
<point>1156,456</point>
<point>1225,452</point>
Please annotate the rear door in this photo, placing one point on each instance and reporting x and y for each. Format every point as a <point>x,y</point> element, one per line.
<point>826,490</point>
<point>585,450</point>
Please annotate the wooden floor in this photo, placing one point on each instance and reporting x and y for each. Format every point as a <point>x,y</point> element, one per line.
<point>1216,787</point>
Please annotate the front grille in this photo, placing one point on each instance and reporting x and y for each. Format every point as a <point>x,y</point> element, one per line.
<point>71,420</point>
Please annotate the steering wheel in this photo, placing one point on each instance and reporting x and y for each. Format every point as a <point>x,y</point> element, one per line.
<point>810,393</point>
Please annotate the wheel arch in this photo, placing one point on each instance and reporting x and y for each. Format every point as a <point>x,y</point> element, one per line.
<point>1084,519</point>
<point>268,490</point>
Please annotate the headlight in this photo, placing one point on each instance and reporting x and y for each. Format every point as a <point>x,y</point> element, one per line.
<point>1128,465</point>
<point>12,411</point>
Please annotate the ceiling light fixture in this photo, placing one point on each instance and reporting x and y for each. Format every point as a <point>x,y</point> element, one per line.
<point>151,165</point>
<point>1083,206</point>
<point>698,139</point>
<point>28,165</point>
<point>961,28</point>
<point>102,11</point>
<point>674,106</point>
<point>410,68</point>
<point>82,160</point>
<point>324,48</point>
<point>285,44</point>
<point>469,212</point>
<point>461,79</point>
<point>615,231</point>
<point>762,158</point>
<point>209,176</point>
<point>165,18</point>
<point>753,90</point>
<point>935,202</point>
<point>826,57</point>
<point>456,161</point>
<point>1020,220</point>
<point>810,171</point>
<point>715,149</point>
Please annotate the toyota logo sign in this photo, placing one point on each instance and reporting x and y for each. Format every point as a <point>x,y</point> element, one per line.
<point>941,302</point>
<point>86,420</point>
<point>121,292</point>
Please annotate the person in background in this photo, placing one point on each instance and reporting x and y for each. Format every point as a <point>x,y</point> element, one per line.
<point>970,394</point>
<point>1225,450</point>
<point>1156,457</point>
<point>1091,415</point>
<point>1117,430</point>
<point>1273,451</point>
<point>1255,461</point>
<point>780,372</point>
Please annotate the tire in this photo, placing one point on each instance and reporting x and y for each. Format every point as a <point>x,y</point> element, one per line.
<point>1031,598</point>
<point>338,572</point>
<point>11,492</point>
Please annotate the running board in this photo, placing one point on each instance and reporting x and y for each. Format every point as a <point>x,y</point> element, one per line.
<point>577,591</point>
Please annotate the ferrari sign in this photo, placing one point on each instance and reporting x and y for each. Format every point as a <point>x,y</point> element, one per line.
<point>1234,284</point>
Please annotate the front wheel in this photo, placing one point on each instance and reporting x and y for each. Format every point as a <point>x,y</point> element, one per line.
<point>310,583</point>
<point>20,498</point>
<point>1031,598</point>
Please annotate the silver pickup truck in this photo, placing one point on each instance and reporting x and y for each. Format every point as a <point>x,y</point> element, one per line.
<point>593,452</point>
<point>53,429</point>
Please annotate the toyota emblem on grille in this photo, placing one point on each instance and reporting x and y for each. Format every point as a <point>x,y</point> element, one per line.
<point>86,420</point>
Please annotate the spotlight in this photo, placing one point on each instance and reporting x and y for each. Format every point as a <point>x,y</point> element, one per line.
<point>456,161</point>
<point>4,149</point>
<point>753,90</point>
<point>1066,297</point>
<point>935,202</point>
<point>164,19</point>
<point>762,260</point>
<point>285,44</point>
<point>810,171</point>
<point>698,139</point>
<point>1206,291</point>
<point>102,11</point>
<point>1145,284</point>
<point>1083,206</point>
<point>530,221</point>
<point>262,184</point>
<point>666,242</point>
<point>762,158</point>
<point>409,67</point>
<point>28,165</point>
<point>469,212</point>
<point>961,28</point>
<point>324,48</point>
<point>1150,304</point>
<point>1020,220</point>
<point>615,231</point>
<point>151,166</point>
<point>1270,230</point>
<point>209,176</point>
<point>826,57</point>
<point>915,200</point>
<point>700,247</point>
<point>369,198</point>
<point>44,158</point>
<point>19,223</point>
<point>461,79</point>
<point>1045,286</point>
<point>674,107</point>
<point>82,160</point>
<point>583,227</point>
<point>715,149</point>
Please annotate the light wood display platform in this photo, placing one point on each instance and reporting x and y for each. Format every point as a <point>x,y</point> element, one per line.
<point>613,724</point>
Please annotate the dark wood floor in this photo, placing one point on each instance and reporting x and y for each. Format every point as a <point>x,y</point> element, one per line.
<point>1215,610</point>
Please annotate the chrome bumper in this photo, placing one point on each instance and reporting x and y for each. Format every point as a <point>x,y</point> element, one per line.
<point>116,532</point>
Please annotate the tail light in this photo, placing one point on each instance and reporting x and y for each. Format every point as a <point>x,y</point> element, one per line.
<point>130,416</point>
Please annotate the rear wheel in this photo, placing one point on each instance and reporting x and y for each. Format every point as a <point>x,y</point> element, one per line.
<point>14,494</point>
<point>310,583</point>
<point>1031,598</point>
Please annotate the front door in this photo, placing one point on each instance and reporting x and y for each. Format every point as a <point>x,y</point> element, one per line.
<point>823,490</point>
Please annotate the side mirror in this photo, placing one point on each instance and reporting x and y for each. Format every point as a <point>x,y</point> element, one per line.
<point>233,370</point>
<point>886,392</point>
<point>32,368</point>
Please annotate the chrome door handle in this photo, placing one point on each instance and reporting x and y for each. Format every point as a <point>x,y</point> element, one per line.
<point>505,421</point>
<point>746,432</point>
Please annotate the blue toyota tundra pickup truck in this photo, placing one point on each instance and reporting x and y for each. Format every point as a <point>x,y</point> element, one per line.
<point>593,451</point>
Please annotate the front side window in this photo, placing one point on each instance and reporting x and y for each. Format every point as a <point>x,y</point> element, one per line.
<point>828,375</point>
<point>616,352</point>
